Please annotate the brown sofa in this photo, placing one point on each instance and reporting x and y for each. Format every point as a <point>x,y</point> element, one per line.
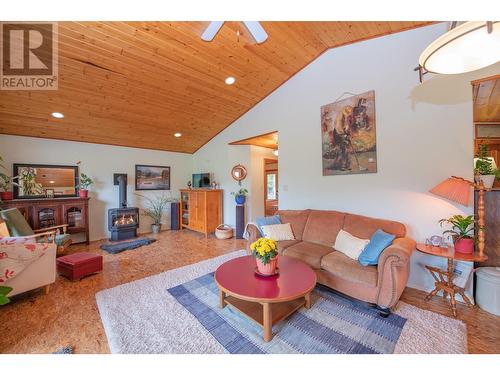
<point>315,232</point>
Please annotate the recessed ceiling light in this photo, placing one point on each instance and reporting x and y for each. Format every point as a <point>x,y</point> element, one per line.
<point>52,182</point>
<point>57,115</point>
<point>230,80</point>
<point>177,135</point>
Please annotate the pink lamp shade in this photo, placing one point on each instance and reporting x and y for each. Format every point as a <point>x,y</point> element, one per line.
<point>455,189</point>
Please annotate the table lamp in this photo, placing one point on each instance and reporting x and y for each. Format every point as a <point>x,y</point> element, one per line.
<point>457,189</point>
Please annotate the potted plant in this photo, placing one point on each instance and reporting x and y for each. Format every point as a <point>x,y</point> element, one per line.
<point>483,169</point>
<point>240,196</point>
<point>461,232</point>
<point>154,209</point>
<point>85,182</point>
<point>265,251</point>
<point>5,183</point>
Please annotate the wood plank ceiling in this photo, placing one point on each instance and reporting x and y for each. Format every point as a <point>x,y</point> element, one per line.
<point>137,83</point>
<point>268,140</point>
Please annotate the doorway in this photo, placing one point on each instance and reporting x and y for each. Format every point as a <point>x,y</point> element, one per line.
<point>271,193</point>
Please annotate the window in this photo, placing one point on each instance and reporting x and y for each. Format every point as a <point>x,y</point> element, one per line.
<point>271,186</point>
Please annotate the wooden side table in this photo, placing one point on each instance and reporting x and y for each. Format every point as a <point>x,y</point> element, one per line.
<point>444,278</point>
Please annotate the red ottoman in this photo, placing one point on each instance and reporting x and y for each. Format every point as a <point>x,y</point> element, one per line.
<point>78,265</point>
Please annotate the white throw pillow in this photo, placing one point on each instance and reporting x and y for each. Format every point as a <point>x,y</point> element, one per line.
<point>350,245</point>
<point>278,232</point>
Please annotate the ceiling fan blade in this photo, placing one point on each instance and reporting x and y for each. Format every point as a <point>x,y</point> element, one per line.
<point>212,30</point>
<point>257,31</point>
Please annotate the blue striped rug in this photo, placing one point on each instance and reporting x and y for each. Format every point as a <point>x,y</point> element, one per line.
<point>333,324</point>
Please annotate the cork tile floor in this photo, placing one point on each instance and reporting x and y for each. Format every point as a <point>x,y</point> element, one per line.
<point>68,315</point>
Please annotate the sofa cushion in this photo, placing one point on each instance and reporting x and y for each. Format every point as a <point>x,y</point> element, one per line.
<point>278,232</point>
<point>350,245</point>
<point>349,269</point>
<point>379,241</point>
<point>365,227</point>
<point>323,226</point>
<point>282,245</point>
<point>267,220</point>
<point>297,219</point>
<point>308,252</point>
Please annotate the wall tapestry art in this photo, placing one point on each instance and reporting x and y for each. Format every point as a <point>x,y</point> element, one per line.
<point>348,133</point>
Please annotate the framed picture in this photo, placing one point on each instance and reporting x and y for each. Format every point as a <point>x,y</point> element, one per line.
<point>152,177</point>
<point>348,133</point>
<point>40,180</point>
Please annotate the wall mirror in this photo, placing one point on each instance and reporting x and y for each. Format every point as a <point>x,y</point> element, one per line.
<point>239,173</point>
<point>45,181</point>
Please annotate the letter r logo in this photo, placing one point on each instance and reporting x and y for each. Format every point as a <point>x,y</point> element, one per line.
<point>27,49</point>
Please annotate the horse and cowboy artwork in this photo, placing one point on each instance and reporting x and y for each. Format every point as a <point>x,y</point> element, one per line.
<point>349,135</point>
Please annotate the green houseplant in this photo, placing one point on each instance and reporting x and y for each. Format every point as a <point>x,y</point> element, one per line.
<point>462,228</point>
<point>4,290</point>
<point>483,169</point>
<point>83,186</point>
<point>154,209</point>
<point>6,183</point>
<point>240,195</point>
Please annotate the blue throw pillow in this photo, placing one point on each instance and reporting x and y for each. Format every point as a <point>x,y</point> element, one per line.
<point>268,220</point>
<point>379,241</point>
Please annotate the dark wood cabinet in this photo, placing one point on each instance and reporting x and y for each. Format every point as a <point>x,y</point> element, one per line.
<point>46,212</point>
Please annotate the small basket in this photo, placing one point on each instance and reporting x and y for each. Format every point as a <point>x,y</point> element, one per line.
<point>223,232</point>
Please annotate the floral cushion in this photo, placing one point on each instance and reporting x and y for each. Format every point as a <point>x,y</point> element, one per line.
<point>17,253</point>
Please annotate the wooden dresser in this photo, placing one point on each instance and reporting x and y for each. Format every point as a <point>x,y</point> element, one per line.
<point>201,209</point>
<point>46,212</point>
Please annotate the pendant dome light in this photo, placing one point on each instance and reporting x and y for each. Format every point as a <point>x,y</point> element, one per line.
<point>467,47</point>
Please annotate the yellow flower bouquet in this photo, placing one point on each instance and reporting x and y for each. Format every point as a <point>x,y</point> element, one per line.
<point>264,249</point>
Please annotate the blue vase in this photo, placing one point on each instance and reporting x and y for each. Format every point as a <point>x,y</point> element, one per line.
<point>240,199</point>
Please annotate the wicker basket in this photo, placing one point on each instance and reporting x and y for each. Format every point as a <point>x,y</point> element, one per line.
<point>223,232</point>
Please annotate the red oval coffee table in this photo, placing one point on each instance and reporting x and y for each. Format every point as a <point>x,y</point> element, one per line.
<point>265,300</point>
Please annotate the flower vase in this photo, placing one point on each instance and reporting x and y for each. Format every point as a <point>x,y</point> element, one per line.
<point>268,269</point>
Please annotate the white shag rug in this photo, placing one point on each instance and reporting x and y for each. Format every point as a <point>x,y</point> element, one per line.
<point>142,317</point>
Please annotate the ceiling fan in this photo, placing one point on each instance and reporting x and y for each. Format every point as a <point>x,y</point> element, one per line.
<point>253,27</point>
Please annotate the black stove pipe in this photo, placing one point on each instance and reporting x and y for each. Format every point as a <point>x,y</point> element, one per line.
<point>123,191</point>
<point>121,180</point>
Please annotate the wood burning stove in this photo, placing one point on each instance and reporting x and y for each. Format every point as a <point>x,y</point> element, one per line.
<point>124,221</point>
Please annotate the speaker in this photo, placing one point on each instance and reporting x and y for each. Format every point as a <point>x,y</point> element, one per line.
<point>175,219</point>
<point>240,220</point>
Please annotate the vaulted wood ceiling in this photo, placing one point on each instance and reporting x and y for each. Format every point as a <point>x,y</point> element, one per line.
<point>137,83</point>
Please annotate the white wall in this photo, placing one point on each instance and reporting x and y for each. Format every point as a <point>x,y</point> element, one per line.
<point>424,134</point>
<point>100,162</point>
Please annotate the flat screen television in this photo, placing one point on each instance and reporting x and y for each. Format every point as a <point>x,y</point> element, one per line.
<point>201,180</point>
